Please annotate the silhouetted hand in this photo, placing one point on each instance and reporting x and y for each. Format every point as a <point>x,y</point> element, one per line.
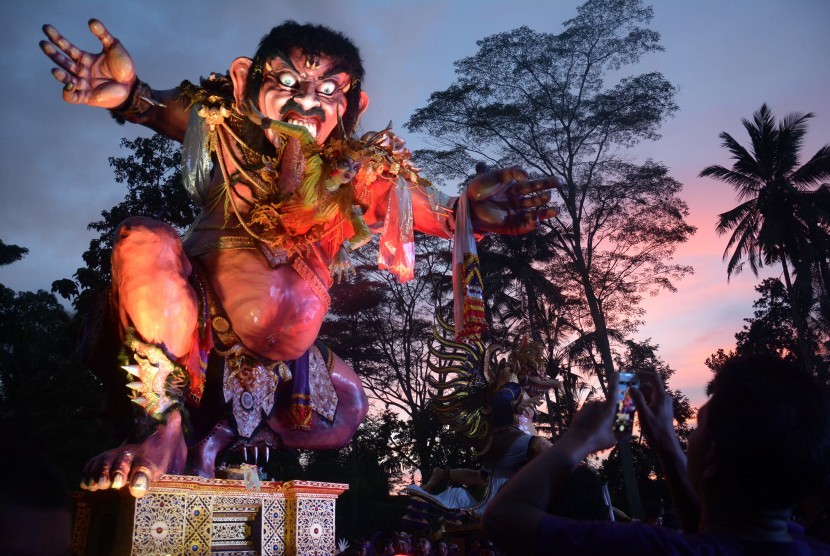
<point>594,422</point>
<point>656,410</point>
<point>506,202</point>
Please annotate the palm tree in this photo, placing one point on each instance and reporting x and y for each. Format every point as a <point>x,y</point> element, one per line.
<point>784,211</point>
<point>517,286</point>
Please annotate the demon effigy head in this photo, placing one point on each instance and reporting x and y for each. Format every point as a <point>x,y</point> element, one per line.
<point>307,75</point>
<point>526,362</point>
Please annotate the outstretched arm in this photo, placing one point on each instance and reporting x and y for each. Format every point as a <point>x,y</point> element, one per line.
<point>108,80</point>
<point>501,201</point>
<point>513,517</point>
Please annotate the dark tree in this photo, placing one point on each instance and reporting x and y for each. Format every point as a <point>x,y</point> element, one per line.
<point>11,253</point>
<point>44,394</point>
<point>771,331</point>
<point>540,100</point>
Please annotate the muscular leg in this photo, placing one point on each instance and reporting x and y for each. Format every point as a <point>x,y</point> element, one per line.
<point>352,407</point>
<point>149,274</point>
<point>462,476</point>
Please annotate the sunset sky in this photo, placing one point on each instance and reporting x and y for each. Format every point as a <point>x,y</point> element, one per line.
<point>726,57</point>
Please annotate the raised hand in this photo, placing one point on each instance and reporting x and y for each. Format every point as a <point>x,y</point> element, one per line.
<point>104,79</point>
<point>593,425</point>
<point>656,410</point>
<point>507,202</point>
<point>341,266</point>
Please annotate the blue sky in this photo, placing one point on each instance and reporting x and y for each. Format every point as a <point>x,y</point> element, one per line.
<point>726,57</point>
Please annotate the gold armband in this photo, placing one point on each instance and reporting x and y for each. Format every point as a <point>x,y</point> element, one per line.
<point>158,383</point>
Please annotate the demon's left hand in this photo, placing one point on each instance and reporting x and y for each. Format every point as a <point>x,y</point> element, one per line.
<point>507,202</point>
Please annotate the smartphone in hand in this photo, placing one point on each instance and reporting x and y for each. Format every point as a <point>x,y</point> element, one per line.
<point>624,415</point>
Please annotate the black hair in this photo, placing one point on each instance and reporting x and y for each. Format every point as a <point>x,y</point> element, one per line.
<point>770,422</point>
<point>312,40</point>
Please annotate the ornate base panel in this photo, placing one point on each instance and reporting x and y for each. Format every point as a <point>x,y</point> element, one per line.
<point>209,517</point>
<point>314,526</point>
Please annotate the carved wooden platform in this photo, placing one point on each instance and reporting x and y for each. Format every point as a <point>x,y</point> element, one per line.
<point>196,516</point>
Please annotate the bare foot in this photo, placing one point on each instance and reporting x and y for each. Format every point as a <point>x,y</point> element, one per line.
<point>138,464</point>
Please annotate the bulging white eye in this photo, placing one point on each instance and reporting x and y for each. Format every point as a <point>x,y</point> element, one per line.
<point>327,87</point>
<point>287,79</point>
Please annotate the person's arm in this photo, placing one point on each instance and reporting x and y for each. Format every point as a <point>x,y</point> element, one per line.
<point>656,415</point>
<point>108,80</point>
<point>514,515</point>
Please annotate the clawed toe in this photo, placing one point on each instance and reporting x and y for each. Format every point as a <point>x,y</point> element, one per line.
<point>139,485</point>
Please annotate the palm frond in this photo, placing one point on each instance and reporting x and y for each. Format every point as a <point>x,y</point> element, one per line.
<point>815,170</point>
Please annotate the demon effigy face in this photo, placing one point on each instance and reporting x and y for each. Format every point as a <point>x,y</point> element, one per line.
<point>304,75</point>
<point>304,89</point>
<point>527,362</point>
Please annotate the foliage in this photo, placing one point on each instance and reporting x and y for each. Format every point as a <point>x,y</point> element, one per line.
<point>11,253</point>
<point>784,211</point>
<point>540,100</point>
<point>44,394</point>
<point>771,331</point>
<point>152,172</point>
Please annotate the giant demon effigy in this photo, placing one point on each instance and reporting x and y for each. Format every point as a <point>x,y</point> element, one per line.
<point>286,190</point>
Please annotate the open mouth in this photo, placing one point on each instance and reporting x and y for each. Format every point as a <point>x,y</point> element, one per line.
<point>537,386</point>
<point>311,124</point>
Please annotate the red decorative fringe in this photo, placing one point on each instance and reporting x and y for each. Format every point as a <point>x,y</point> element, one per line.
<point>196,365</point>
<point>301,414</point>
<point>475,323</point>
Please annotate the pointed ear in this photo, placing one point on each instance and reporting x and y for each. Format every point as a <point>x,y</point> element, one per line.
<point>239,75</point>
<point>363,104</point>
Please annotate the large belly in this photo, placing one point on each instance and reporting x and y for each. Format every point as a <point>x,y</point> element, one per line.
<point>274,312</point>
